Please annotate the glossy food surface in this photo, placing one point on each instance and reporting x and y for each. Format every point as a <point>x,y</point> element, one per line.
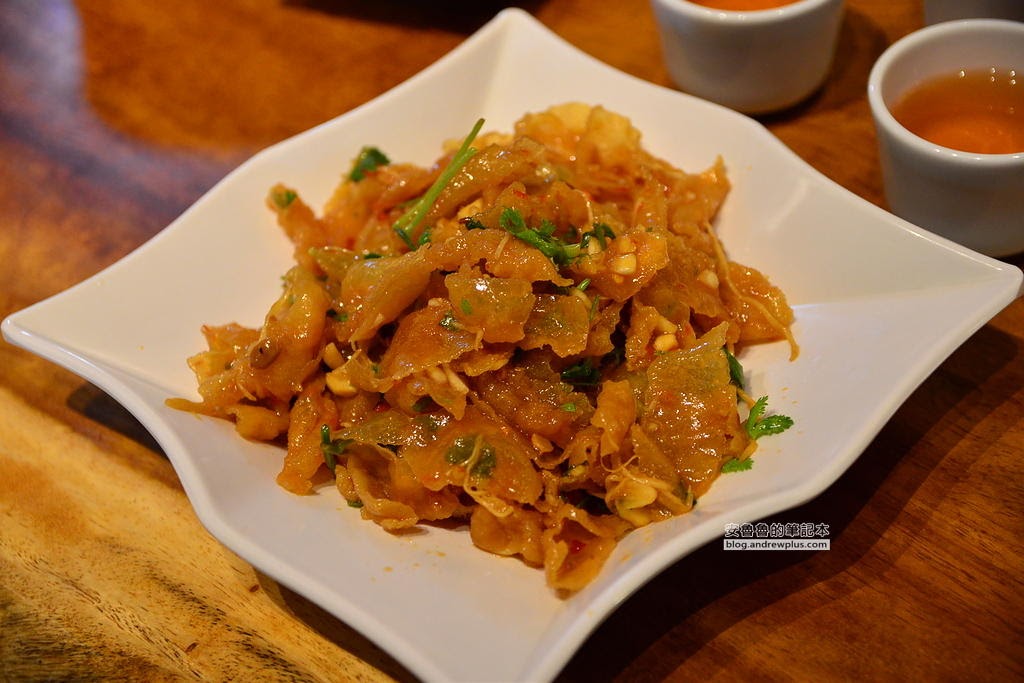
<point>116,117</point>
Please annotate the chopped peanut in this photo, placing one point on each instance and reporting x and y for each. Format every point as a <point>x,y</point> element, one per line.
<point>666,326</point>
<point>455,381</point>
<point>541,443</point>
<point>624,265</point>
<point>471,209</point>
<point>339,383</point>
<point>333,357</point>
<point>709,278</point>
<point>665,342</point>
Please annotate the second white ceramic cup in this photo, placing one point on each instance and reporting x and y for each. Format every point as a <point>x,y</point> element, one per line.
<point>974,199</point>
<point>751,61</point>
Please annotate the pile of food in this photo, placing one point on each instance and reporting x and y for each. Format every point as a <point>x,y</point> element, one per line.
<point>535,336</point>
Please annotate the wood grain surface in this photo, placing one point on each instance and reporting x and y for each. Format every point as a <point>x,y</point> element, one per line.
<point>116,115</point>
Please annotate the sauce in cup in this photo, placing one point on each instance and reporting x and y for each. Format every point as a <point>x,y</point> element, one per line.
<point>980,111</point>
<point>743,5</point>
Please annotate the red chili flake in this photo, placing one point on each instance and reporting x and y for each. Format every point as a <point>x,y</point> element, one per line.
<point>575,546</point>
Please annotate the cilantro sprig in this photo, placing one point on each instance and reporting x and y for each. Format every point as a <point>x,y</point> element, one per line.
<point>410,220</point>
<point>542,237</point>
<point>758,424</point>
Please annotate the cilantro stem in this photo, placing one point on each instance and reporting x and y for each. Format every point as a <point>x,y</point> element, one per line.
<point>410,220</point>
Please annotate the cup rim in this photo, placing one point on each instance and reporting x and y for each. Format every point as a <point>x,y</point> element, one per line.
<point>883,116</point>
<point>747,17</point>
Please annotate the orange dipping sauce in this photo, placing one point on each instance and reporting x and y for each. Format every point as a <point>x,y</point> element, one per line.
<point>978,111</point>
<point>743,5</point>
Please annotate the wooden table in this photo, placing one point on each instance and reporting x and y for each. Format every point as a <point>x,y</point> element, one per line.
<point>115,116</point>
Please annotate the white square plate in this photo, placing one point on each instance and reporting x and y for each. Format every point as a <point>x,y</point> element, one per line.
<point>879,304</point>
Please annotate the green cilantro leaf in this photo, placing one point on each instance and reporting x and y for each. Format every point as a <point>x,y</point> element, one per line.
<point>460,450</point>
<point>422,404</point>
<point>330,447</point>
<point>369,159</point>
<point>757,425</point>
<point>284,198</point>
<point>735,369</point>
<point>449,322</point>
<point>737,465</point>
<point>582,374</point>
<point>584,500</point>
<point>486,461</point>
<point>594,303</point>
<point>541,237</point>
<point>601,232</point>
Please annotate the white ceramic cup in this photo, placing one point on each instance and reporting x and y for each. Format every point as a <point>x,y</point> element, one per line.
<point>936,11</point>
<point>974,199</point>
<point>751,61</point>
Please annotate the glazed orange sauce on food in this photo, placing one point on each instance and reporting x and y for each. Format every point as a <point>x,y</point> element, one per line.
<point>742,5</point>
<point>978,111</point>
